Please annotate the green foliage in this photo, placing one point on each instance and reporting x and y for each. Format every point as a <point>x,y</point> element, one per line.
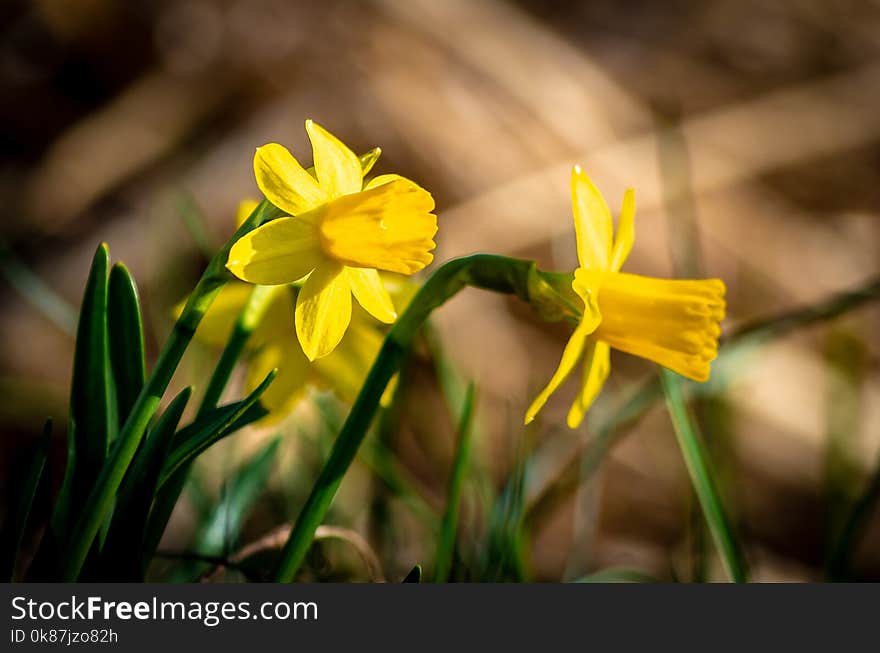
<point>33,479</point>
<point>126,333</point>
<point>92,401</point>
<point>449,527</point>
<point>114,471</point>
<point>703,478</point>
<point>127,466</point>
<point>220,527</point>
<point>130,517</point>
<point>414,575</point>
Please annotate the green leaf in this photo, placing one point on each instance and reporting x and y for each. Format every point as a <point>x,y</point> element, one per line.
<point>213,426</point>
<point>856,522</point>
<point>99,503</point>
<point>414,575</point>
<point>121,557</point>
<point>36,291</point>
<point>126,334</point>
<point>92,406</point>
<point>449,527</point>
<point>219,533</point>
<point>163,506</point>
<point>26,495</point>
<point>489,272</point>
<point>703,478</point>
<point>504,554</point>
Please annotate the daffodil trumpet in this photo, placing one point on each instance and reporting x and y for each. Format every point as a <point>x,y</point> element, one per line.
<point>340,230</point>
<point>675,323</point>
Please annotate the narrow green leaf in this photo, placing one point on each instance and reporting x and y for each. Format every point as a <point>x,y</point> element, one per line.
<point>490,272</point>
<point>857,519</point>
<point>195,224</point>
<point>26,497</point>
<point>163,506</point>
<point>449,527</point>
<point>414,575</point>
<point>36,291</point>
<point>503,558</point>
<point>93,513</point>
<point>121,559</point>
<point>201,434</point>
<point>92,406</point>
<point>126,334</point>
<point>702,478</point>
<point>220,532</point>
<point>250,316</point>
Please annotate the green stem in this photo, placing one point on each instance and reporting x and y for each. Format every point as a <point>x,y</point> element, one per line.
<point>248,319</point>
<point>698,466</point>
<point>101,497</point>
<point>496,273</point>
<point>449,527</point>
<point>250,316</point>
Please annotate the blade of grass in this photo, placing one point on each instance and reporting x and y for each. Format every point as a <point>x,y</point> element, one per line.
<point>26,496</point>
<point>251,314</point>
<point>503,558</point>
<point>449,526</point>
<point>37,292</point>
<point>702,478</point>
<point>854,527</point>
<point>126,333</point>
<point>100,500</point>
<point>222,527</point>
<point>490,272</point>
<point>454,390</point>
<point>199,435</point>
<point>194,221</point>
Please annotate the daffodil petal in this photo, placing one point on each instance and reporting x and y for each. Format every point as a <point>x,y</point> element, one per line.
<point>244,210</point>
<point>574,348</point>
<point>216,325</point>
<point>626,235</point>
<point>592,221</point>
<point>289,384</point>
<point>389,227</point>
<point>346,368</point>
<point>284,181</point>
<point>597,366</point>
<point>323,310</point>
<point>385,179</point>
<point>280,251</point>
<point>672,322</point>
<point>368,289</point>
<point>337,167</point>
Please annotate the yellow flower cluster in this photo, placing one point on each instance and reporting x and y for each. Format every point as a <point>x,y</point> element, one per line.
<point>341,231</point>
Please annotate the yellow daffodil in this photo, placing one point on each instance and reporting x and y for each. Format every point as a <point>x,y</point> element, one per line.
<point>671,322</point>
<point>341,233</point>
<point>273,345</point>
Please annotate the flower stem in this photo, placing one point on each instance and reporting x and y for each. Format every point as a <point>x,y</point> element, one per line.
<point>251,313</point>
<point>489,272</point>
<point>100,499</point>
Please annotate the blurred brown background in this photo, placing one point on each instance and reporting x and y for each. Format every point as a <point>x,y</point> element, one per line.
<point>751,128</point>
